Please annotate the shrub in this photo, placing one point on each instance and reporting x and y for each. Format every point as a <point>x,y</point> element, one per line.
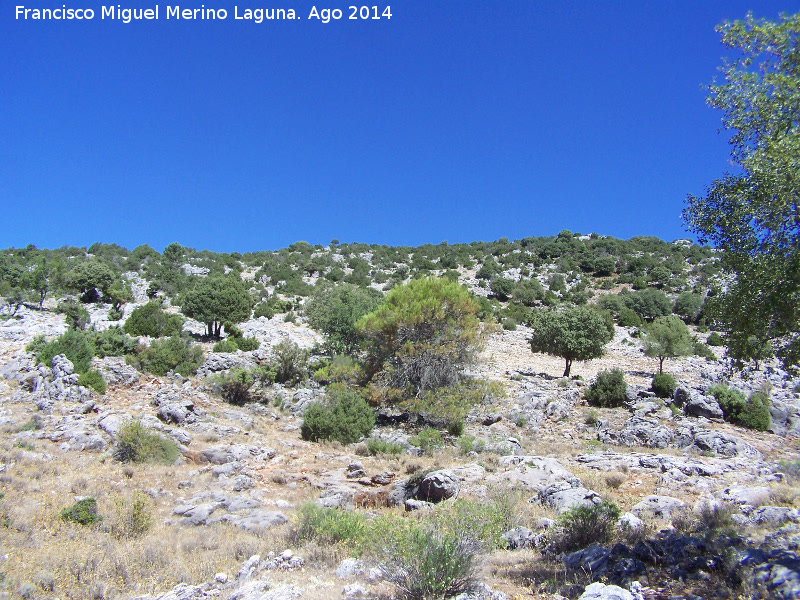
<point>628,318</point>
<point>469,443</point>
<point>423,336</point>
<point>592,417</point>
<point>427,440</point>
<point>340,369</point>
<point>509,324</point>
<point>376,446</point>
<point>608,390</point>
<point>170,354</point>
<point>247,344</point>
<point>263,309</point>
<point>663,385</point>
<point>427,563</point>
<point>76,345</point>
<point>94,380</point>
<point>84,512</point>
<point>344,416</point>
<point>328,525</point>
<point>502,288</point>
<point>715,339</point>
<point>289,362</point>
<point>583,526</point>
<point>226,345</point>
<point>112,342</point>
<point>136,443</point>
<point>77,316</point>
<point>234,386</point>
<point>151,320</point>
<point>133,518</point>
<point>455,428</point>
<point>704,351</point>
<point>648,303</point>
<point>752,412</point>
<point>334,311</point>
<point>216,300</point>
<point>688,306</point>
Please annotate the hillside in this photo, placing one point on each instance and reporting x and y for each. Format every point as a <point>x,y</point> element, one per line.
<point>236,502</point>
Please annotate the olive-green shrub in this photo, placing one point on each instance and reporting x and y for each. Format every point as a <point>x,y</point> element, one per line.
<point>608,390</point>
<point>343,416</point>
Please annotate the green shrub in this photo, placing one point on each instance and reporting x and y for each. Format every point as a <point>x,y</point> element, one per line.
<point>247,344</point>
<point>376,446</point>
<point>583,526</point>
<point>334,311</point>
<point>84,512</point>
<point>509,324</point>
<point>608,390</point>
<point>715,339</point>
<point>328,526</point>
<point>663,385</point>
<point>704,351</point>
<point>427,563</point>
<point>151,320</point>
<point>264,309</point>
<point>133,517</point>
<point>628,318</point>
<point>112,342</point>
<point>340,369</point>
<point>77,316</point>
<point>94,380</point>
<point>344,416</point>
<point>226,345</point>
<point>33,424</point>
<point>456,428</point>
<point>136,443</point>
<point>234,386</point>
<point>170,354</point>
<point>427,440</point>
<point>76,345</point>
<point>752,412</point>
<point>469,443</point>
<point>289,362</point>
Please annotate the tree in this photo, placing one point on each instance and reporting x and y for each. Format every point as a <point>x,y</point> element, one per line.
<point>667,337</point>
<point>502,288</point>
<point>335,310</point>
<point>577,333</point>
<point>752,214</point>
<point>217,299</point>
<point>688,306</point>
<point>151,320</point>
<point>92,279</point>
<point>423,336</point>
<point>648,303</point>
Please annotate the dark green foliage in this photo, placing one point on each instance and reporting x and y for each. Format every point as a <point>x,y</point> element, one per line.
<point>247,344</point>
<point>263,309</point>
<point>77,316</point>
<point>94,380</point>
<point>648,303</point>
<point>76,345</point>
<point>688,306</point>
<point>578,333</point>
<point>608,390</point>
<point>703,350</point>
<point>583,526</point>
<point>344,416</point>
<point>170,354</point>
<point>92,279</point>
<point>715,339</point>
<point>663,385</point>
<point>112,342</point>
<point>605,266</point>
<point>427,440</point>
<point>628,318</point>
<point>226,345</point>
<point>151,320</point>
<point>502,288</point>
<point>217,299</point>
<point>556,283</point>
<point>528,292</point>
<point>752,412</point>
<point>234,386</point>
<point>83,512</point>
<point>334,312</point>
<point>136,443</point>
<point>428,564</point>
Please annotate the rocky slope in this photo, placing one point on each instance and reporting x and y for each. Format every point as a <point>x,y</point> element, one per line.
<point>223,511</point>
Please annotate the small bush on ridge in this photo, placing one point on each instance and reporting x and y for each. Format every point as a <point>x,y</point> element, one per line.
<point>608,390</point>
<point>84,512</point>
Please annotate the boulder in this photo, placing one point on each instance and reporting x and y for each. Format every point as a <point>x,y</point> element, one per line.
<point>703,406</point>
<point>562,496</point>
<point>438,485</point>
<point>638,431</point>
<point>657,507</point>
<point>601,591</point>
<point>519,537</point>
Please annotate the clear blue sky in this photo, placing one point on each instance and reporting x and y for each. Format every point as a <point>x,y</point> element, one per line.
<point>455,121</point>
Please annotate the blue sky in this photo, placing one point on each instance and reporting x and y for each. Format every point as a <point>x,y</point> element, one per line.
<point>455,121</point>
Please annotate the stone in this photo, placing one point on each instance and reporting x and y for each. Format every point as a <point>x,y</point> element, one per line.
<point>438,485</point>
<point>519,537</point>
<point>638,431</point>
<point>753,496</point>
<point>630,522</point>
<point>703,406</point>
<point>350,568</point>
<point>601,591</point>
<point>562,496</point>
<point>657,507</point>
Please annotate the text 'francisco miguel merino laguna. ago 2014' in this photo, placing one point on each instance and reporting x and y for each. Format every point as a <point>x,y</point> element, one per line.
<point>258,15</point>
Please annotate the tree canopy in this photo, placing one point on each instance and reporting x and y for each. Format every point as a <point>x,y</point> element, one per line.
<point>752,214</point>
<point>217,299</point>
<point>423,335</point>
<point>578,333</point>
<point>667,337</point>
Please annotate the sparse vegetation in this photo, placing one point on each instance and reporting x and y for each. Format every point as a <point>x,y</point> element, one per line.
<point>138,444</point>
<point>583,525</point>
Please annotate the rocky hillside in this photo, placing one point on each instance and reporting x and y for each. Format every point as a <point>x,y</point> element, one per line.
<point>247,509</point>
